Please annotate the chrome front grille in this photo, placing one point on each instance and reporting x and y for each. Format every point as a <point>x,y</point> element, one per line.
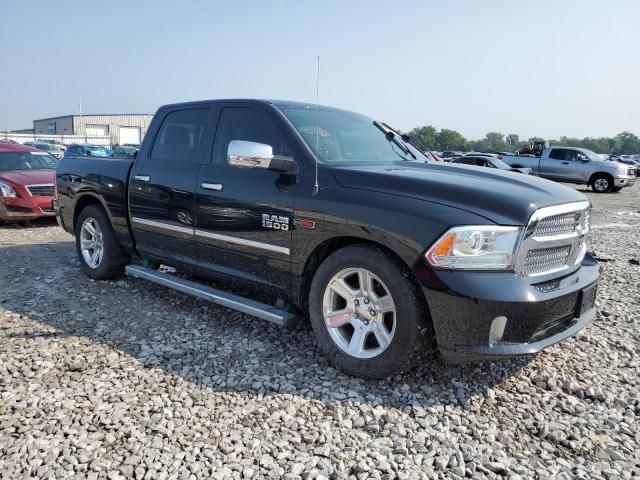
<point>554,240</point>
<point>631,171</point>
<point>546,259</point>
<point>557,224</point>
<point>41,190</point>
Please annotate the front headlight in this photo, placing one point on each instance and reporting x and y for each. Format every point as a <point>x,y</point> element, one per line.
<point>7,190</point>
<point>481,247</point>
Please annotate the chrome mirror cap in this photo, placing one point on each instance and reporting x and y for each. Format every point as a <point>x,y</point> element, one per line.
<point>242,153</point>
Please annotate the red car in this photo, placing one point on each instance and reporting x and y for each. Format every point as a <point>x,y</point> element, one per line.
<point>27,177</point>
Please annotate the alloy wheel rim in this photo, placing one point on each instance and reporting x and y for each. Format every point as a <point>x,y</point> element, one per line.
<point>359,313</point>
<point>91,243</point>
<point>601,184</point>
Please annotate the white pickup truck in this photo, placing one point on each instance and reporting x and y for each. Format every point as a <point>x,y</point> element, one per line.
<point>576,165</point>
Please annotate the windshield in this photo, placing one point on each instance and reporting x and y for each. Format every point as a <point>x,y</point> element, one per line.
<point>26,161</point>
<point>348,137</point>
<point>499,163</point>
<point>97,151</point>
<point>592,155</point>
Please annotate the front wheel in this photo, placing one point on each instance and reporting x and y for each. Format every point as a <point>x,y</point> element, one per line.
<point>101,256</point>
<point>602,183</point>
<point>368,313</point>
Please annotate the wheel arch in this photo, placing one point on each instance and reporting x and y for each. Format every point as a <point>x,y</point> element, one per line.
<point>600,174</point>
<point>329,246</point>
<point>85,200</point>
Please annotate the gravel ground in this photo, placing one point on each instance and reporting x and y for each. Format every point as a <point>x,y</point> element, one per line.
<point>127,379</point>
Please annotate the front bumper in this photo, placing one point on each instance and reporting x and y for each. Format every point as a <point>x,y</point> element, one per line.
<point>624,181</point>
<point>17,209</point>
<point>490,315</point>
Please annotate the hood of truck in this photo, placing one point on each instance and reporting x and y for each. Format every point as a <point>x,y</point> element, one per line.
<point>503,197</point>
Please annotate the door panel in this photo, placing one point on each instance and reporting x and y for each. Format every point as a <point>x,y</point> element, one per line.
<point>162,208</point>
<point>577,169</point>
<point>162,186</point>
<point>244,216</point>
<point>554,166</point>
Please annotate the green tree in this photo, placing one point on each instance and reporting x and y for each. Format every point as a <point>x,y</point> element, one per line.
<point>425,138</point>
<point>451,140</point>
<point>513,140</point>
<point>628,143</point>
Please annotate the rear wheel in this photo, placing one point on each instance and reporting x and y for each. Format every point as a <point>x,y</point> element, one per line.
<point>368,313</point>
<point>602,183</point>
<point>100,254</point>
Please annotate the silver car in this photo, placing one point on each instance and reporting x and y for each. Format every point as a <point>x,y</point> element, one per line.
<point>52,149</point>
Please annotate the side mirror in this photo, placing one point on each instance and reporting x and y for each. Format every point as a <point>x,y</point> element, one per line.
<point>243,154</point>
<point>135,154</point>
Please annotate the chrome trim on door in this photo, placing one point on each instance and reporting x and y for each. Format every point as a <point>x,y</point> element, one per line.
<point>242,241</point>
<point>142,178</point>
<point>165,226</point>
<point>212,186</point>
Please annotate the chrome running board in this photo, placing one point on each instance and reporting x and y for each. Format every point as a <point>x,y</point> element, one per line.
<point>270,313</point>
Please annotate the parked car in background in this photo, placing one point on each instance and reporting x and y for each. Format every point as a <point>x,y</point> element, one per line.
<point>627,159</point>
<point>125,151</point>
<point>7,140</point>
<point>448,155</point>
<point>27,176</point>
<point>86,150</point>
<point>481,154</point>
<point>433,156</point>
<point>489,162</point>
<point>53,149</point>
<point>52,142</point>
<point>577,165</point>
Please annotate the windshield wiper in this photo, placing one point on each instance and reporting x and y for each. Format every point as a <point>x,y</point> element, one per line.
<point>392,136</point>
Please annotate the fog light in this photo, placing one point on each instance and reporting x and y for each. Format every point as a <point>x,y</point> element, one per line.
<point>497,329</point>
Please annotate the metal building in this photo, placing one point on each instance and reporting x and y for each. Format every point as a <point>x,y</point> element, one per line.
<point>121,128</point>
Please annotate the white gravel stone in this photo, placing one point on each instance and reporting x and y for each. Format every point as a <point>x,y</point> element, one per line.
<point>126,379</point>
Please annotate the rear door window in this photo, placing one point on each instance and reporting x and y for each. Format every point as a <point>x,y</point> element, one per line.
<point>180,137</point>
<point>557,154</point>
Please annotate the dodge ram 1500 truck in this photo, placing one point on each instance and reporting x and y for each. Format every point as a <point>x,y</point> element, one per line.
<point>576,165</point>
<point>334,214</point>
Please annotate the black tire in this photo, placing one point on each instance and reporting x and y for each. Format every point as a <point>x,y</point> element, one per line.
<point>602,183</point>
<point>413,335</point>
<point>113,258</point>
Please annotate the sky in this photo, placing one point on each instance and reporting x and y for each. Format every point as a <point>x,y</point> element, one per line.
<point>546,68</point>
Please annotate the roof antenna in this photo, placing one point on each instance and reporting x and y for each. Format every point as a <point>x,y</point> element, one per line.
<point>316,187</point>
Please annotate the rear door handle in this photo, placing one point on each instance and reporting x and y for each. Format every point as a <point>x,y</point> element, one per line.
<point>142,178</point>
<point>212,186</point>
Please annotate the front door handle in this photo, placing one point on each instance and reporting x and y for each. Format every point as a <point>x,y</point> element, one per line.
<point>142,178</point>
<point>565,163</point>
<point>212,186</point>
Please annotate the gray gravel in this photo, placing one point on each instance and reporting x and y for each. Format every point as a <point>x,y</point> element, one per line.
<point>130,380</point>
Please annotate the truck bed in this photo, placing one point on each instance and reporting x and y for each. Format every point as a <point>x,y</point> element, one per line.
<point>106,179</point>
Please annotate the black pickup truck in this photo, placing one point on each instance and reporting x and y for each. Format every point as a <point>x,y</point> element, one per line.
<point>331,213</point>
